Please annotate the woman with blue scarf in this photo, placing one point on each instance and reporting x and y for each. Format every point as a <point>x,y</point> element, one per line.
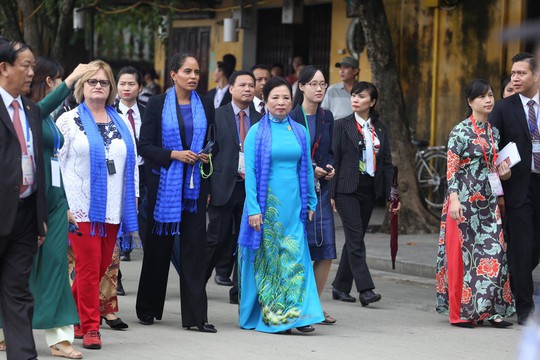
<point>173,133</point>
<point>277,289</point>
<point>99,167</point>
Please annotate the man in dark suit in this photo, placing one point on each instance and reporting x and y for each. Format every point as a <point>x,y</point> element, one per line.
<point>221,95</point>
<point>23,213</point>
<point>517,119</point>
<point>227,187</point>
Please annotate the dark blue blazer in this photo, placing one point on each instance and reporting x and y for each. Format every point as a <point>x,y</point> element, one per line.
<point>324,131</point>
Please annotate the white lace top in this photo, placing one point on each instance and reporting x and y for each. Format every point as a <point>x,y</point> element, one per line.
<point>74,159</point>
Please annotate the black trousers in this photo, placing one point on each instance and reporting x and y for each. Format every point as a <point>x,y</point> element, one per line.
<point>156,264</point>
<point>222,234</point>
<point>17,252</point>
<point>523,225</point>
<point>355,211</point>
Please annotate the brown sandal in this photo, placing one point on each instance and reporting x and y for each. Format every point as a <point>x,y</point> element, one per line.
<point>73,354</point>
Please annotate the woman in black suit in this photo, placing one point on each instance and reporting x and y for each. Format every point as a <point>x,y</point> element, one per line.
<point>364,172</point>
<point>173,133</point>
<point>320,124</point>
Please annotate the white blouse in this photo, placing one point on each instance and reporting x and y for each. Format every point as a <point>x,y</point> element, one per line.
<point>74,159</point>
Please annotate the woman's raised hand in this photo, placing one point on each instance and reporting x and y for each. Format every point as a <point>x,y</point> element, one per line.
<point>79,71</point>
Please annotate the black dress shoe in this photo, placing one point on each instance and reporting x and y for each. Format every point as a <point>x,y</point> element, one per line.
<point>223,280</point>
<point>367,297</point>
<point>116,324</point>
<point>206,328</point>
<point>306,329</point>
<point>120,289</point>
<point>146,320</point>
<point>465,325</point>
<point>522,319</point>
<point>500,324</point>
<point>342,296</point>
<point>233,300</point>
<point>125,257</point>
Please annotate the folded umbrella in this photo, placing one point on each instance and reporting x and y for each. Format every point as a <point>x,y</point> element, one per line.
<point>394,217</point>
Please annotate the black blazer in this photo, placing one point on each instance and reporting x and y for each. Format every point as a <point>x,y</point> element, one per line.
<point>227,98</point>
<point>347,154</point>
<point>225,174</point>
<point>10,163</point>
<point>324,131</point>
<point>150,145</point>
<point>508,116</point>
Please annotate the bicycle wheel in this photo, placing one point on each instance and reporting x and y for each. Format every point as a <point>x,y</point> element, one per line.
<point>431,175</point>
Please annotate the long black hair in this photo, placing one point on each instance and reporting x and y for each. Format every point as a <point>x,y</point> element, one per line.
<point>475,89</point>
<point>43,69</point>
<point>306,75</point>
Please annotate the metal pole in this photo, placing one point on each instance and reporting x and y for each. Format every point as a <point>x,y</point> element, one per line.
<point>434,78</point>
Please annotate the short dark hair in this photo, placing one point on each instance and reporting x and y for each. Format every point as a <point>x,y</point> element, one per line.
<point>178,60</point>
<point>525,57</point>
<point>260,66</point>
<point>238,73</point>
<point>9,50</point>
<point>474,89</point>
<point>306,75</point>
<point>43,69</point>
<point>225,69</point>
<point>372,91</point>
<point>504,82</point>
<point>132,71</point>
<point>274,83</point>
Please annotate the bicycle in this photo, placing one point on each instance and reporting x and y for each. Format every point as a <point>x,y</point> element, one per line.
<point>431,174</point>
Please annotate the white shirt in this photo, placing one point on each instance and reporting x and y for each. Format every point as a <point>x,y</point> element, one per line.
<point>220,93</point>
<point>524,101</point>
<point>74,159</point>
<point>369,143</point>
<point>8,99</point>
<point>136,119</point>
<point>257,102</point>
<point>338,101</point>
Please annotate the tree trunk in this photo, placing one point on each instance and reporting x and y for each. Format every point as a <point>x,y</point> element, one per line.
<point>63,31</point>
<point>32,37</point>
<point>414,217</point>
<point>10,13</point>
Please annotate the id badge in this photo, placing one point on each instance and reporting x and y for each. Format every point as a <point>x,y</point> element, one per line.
<point>111,169</point>
<point>536,146</point>
<point>55,172</point>
<point>241,163</point>
<point>495,183</point>
<point>27,170</point>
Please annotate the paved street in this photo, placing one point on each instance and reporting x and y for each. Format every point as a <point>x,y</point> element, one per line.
<point>404,325</point>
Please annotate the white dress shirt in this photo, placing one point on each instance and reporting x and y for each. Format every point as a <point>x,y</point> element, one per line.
<point>8,99</point>
<point>369,143</point>
<point>220,93</point>
<point>136,119</point>
<point>524,101</point>
<point>257,102</point>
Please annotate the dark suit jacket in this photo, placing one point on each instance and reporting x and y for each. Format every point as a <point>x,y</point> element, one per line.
<point>225,174</point>
<point>150,144</point>
<point>323,134</point>
<point>10,163</point>
<point>508,116</point>
<point>140,105</point>
<point>347,154</point>
<point>227,98</point>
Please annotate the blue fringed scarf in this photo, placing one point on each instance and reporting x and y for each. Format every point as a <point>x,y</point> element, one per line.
<point>99,174</point>
<point>174,194</point>
<point>248,237</point>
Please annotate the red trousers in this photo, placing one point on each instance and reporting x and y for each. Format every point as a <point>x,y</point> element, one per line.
<point>93,255</point>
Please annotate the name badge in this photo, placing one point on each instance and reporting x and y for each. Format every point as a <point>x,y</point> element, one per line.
<point>536,146</point>
<point>27,170</point>
<point>495,183</point>
<point>55,172</point>
<point>241,164</point>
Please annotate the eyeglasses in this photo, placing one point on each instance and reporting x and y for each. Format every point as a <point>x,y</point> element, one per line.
<point>102,83</point>
<point>314,85</point>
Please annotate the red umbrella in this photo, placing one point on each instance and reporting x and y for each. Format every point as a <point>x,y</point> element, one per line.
<point>394,217</point>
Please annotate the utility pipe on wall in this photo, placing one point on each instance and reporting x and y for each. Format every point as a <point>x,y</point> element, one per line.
<point>434,77</point>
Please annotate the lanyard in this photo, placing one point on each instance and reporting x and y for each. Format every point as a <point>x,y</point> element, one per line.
<point>56,136</point>
<point>316,144</point>
<point>491,167</point>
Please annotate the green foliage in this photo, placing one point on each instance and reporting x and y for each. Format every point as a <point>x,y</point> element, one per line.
<point>280,278</point>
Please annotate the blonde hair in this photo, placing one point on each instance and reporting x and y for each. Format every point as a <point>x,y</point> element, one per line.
<point>79,87</point>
